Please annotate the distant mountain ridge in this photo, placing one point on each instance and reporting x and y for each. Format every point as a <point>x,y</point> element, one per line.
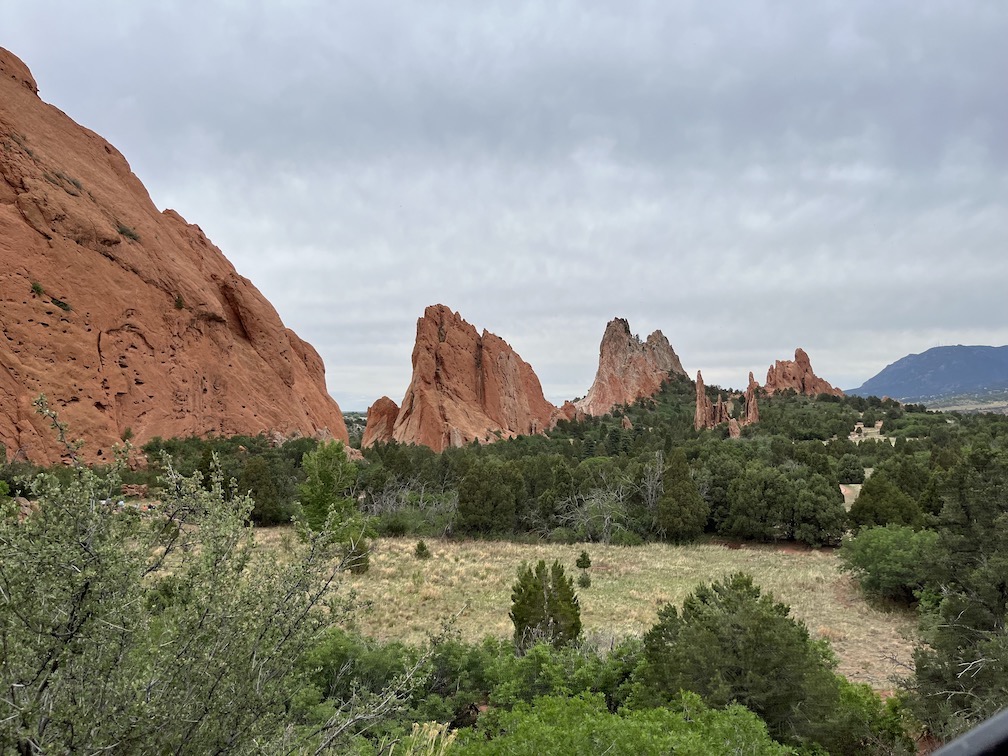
<point>941,372</point>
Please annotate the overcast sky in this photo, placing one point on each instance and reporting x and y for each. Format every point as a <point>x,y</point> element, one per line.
<point>747,177</point>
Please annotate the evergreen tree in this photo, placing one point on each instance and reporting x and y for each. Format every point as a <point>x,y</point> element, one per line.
<point>731,644</point>
<point>961,673</point>
<point>681,513</point>
<point>488,497</point>
<point>544,606</point>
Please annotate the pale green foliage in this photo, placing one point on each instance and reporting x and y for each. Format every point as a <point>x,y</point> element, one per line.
<point>153,633</point>
<point>329,480</point>
<point>583,724</point>
<point>327,502</point>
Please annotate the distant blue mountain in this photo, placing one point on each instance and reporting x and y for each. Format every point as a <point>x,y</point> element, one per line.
<point>941,372</point>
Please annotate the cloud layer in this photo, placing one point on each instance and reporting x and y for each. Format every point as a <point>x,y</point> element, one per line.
<point>747,178</point>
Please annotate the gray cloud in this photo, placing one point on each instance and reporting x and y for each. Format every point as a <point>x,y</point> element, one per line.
<point>831,175</point>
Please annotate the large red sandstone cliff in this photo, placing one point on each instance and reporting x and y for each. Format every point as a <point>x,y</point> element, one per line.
<point>127,318</point>
<point>467,386</point>
<point>629,369</point>
<point>797,375</point>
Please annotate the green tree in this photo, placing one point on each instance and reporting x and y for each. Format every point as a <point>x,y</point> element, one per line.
<point>681,513</point>
<point>961,675</point>
<point>816,513</point>
<point>892,562</point>
<point>488,498</point>
<point>757,501</point>
<point>327,502</point>
<point>544,606</point>
<point>850,469</point>
<point>881,502</point>
<point>153,633</point>
<point>265,486</point>
<point>731,644</point>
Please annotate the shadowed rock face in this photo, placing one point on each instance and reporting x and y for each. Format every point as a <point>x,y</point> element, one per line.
<point>629,369</point>
<point>467,387</point>
<point>797,375</point>
<point>127,318</point>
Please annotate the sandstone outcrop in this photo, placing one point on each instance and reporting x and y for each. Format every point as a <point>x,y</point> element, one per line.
<point>629,369</point>
<point>468,386</point>
<point>751,406</point>
<point>703,417</point>
<point>381,417</point>
<point>797,375</point>
<point>709,415</point>
<point>129,319</point>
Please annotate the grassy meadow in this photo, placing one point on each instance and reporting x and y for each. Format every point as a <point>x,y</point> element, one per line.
<point>408,598</point>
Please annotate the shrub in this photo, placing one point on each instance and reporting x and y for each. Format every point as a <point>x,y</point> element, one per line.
<point>584,580</point>
<point>583,724</point>
<point>126,231</point>
<point>421,551</point>
<point>104,644</point>
<point>731,644</point>
<point>890,562</point>
<point>37,289</point>
<point>358,557</point>
<point>544,606</point>
<point>179,302</point>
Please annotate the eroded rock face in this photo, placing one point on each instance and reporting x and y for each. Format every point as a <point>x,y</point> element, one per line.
<point>468,386</point>
<point>797,375</point>
<point>629,369</point>
<point>751,406</point>
<point>129,319</point>
<point>709,415</point>
<point>703,417</point>
<point>381,417</point>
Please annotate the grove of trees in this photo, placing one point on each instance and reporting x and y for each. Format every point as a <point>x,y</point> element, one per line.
<point>173,631</point>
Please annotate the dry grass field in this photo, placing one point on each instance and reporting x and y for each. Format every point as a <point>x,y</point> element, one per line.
<point>408,598</point>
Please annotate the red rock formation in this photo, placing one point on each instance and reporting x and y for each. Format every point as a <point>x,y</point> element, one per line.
<point>703,417</point>
<point>751,407</point>
<point>797,375</point>
<point>468,386</point>
<point>127,318</point>
<point>734,429</point>
<point>569,411</point>
<point>628,369</point>
<point>381,417</point>
<point>709,415</point>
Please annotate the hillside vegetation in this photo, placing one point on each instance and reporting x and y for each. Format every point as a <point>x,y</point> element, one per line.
<point>637,506</point>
